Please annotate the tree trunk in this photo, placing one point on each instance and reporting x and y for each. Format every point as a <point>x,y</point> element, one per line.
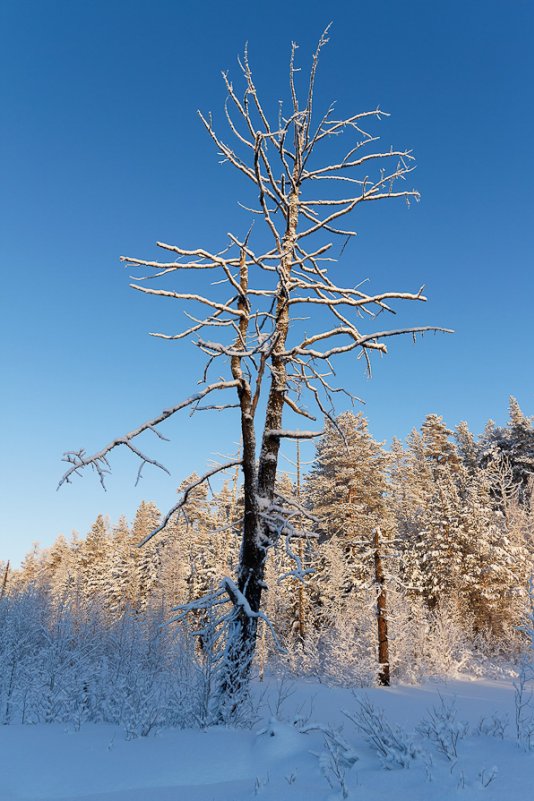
<point>4,581</point>
<point>301,613</point>
<point>258,484</point>
<point>381,614</point>
<point>243,627</point>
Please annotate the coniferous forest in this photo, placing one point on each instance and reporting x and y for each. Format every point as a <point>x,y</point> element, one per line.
<point>413,561</point>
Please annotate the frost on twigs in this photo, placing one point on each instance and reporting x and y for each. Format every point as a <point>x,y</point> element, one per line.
<point>442,728</point>
<point>213,619</point>
<point>99,461</point>
<point>337,758</point>
<point>394,746</point>
<point>185,494</point>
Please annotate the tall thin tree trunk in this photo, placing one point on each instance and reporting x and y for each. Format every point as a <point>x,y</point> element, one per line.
<point>381,612</point>
<point>243,628</point>
<point>3,589</point>
<point>300,589</point>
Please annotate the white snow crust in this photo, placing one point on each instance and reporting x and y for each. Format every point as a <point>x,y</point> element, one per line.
<point>274,760</point>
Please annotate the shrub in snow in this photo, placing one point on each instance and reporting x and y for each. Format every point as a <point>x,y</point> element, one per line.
<point>337,758</point>
<point>333,767</point>
<point>348,646</point>
<point>487,775</point>
<point>409,632</point>
<point>391,742</point>
<point>60,665</point>
<point>493,726</point>
<point>443,729</point>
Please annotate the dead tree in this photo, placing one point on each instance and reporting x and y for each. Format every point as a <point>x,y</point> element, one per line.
<point>248,300</point>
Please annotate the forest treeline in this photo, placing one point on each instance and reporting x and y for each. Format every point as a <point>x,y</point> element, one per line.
<point>447,517</point>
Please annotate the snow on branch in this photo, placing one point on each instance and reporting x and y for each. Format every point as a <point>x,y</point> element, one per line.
<point>239,600</point>
<point>297,409</point>
<point>369,341</point>
<point>185,495</point>
<point>223,307</point>
<point>287,434</point>
<point>226,592</point>
<point>298,506</point>
<point>99,461</point>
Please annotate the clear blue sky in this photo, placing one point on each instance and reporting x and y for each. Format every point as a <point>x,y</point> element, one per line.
<point>101,154</point>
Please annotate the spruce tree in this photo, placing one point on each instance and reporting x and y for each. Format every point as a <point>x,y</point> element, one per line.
<point>94,554</point>
<point>512,444</point>
<point>147,558</point>
<point>431,535</point>
<point>346,490</point>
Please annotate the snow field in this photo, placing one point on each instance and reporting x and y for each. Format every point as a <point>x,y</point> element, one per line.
<point>275,761</point>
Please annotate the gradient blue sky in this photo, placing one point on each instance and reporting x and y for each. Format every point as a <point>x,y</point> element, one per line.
<point>101,154</point>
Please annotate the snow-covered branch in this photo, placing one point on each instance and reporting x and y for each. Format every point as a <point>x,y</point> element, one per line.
<point>99,462</point>
<point>185,494</point>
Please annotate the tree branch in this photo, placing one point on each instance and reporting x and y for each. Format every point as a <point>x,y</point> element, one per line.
<point>185,495</point>
<point>78,460</point>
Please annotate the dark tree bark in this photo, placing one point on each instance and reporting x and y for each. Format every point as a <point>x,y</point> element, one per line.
<point>381,612</point>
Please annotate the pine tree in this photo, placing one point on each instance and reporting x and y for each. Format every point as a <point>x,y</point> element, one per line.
<point>346,490</point>
<point>226,522</point>
<point>29,574</point>
<point>429,520</point>
<point>122,578</point>
<point>62,570</point>
<point>513,445</point>
<point>4,578</point>
<point>147,558</point>
<point>493,567</point>
<point>94,553</point>
<point>468,450</point>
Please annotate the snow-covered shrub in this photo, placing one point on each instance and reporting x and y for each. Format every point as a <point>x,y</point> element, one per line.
<point>494,726</point>
<point>57,665</point>
<point>448,645</point>
<point>443,729</point>
<point>409,629</point>
<point>347,648</point>
<point>333,767</point>
<point>524,706</point>
<point>487,775</point>
<point>20,632</point>
<point>392,743</point>
<point>337,758</point>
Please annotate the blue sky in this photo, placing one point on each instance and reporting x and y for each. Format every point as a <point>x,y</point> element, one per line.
<point>101,154</point>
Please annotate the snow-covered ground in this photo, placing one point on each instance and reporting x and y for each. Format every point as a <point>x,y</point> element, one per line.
<point>276,760</point>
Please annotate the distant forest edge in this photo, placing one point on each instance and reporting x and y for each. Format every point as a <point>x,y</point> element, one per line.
<point>456,536</point>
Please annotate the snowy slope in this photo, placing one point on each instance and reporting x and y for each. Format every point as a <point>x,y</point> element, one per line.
<point>274,760</point>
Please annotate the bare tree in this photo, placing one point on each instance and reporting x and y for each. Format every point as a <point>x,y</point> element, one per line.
<point>251,305</point>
